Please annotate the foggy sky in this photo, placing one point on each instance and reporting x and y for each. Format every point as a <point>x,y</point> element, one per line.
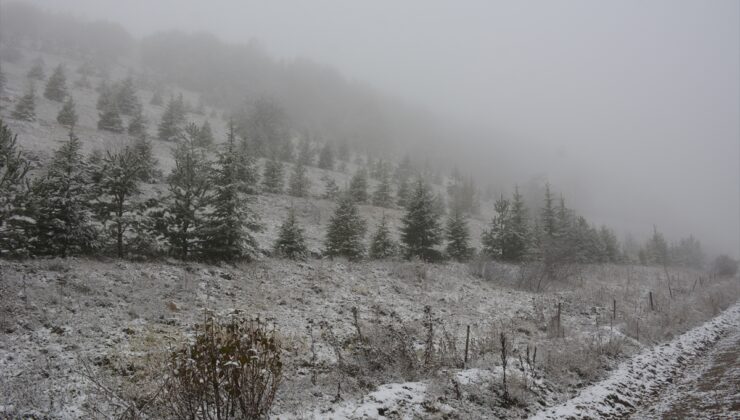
<point>631,108</point>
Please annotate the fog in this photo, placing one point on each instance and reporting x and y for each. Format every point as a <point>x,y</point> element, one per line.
<point>630,108</point>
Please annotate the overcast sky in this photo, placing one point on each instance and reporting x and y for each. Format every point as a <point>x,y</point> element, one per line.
<point>631,106</point>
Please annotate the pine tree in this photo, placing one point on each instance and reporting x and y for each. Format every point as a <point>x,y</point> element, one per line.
<point>157,98</point>
<point>25,109</point>
<point>549,243</point>
<point>610,245</point>
<point>563,219</point>
<point>462,192</point>
<point>14,221</point>
<point>326,157</point>
<point>376,168</point>
<point>173,120</point>
<point>402,195</point>
<point>106,96</point>
<point>147,162</point>
<point>37,70</point>
<point>266,128</point>
<point>299,183</point>
<point>331,190</point>
<point>494,238</point>
<point>205,135</point>
<point>517,242</point>
<point>83,83</point>
<point>60,205</point>
<point>227,231</point>
<point>125,97</point>
<point>200,108</point>
<point>547,214</point>
<point>290,242</point>
<point>421,231</point>
<point>688,253</point>
<point>305,153</point>
<point>382,245</point>
<point>110,119</point>
<point>358,186</point>
<point>458,236</point>
<point>67,115</point>
<point>285,150</point>
<point>190,193</point>
<point>117,184</point>
<point>56,87</point>
<point>438,204</point>
<point>656,249</point>
<point>137,125</point>
<point>272,179</point>
<point>346,231</point>
<point>382,194</point>
<point>247,169</point>
<point>343,152</point>
<point>404,170</point>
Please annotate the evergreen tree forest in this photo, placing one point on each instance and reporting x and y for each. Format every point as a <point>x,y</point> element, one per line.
<point>82,205</point>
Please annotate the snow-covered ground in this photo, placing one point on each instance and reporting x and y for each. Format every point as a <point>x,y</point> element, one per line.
<point>65,321</point>
<point>708,389</point>
<point>636,380</point>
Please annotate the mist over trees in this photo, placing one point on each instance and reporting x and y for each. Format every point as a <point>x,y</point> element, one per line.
<point>296,114</point>
<point>24,24</point>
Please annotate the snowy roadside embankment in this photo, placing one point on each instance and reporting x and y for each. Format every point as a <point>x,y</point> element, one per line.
<point>643,375</point>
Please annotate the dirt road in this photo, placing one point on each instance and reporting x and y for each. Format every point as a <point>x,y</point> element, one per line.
<point>707,389</point>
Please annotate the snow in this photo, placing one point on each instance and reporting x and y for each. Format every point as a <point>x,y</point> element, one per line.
<point>161,301</point>
<point>644,374</point>
<point>397,401</point>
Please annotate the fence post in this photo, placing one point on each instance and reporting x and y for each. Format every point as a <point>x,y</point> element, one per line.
<point>467,341</point>
<point>652,308</point>
<point>614,309</point>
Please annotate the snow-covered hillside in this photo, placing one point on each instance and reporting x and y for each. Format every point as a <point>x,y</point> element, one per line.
<point>67,324</point>
<point>90,337</point>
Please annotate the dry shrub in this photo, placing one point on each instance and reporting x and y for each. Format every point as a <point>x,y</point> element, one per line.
<point>374,355</point>
<point>387,349</point>
<point>232,369</point>
<point>414,270</point>
<point>571,357</point>
<point>538,276</point>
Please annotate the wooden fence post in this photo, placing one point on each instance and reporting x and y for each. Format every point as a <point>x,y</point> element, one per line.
<point>560,329</point>
<point>614,309</point>
<point>467,341</point>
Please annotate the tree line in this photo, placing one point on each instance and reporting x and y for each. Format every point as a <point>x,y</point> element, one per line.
<point>89,205</point>
<point>206,213</point>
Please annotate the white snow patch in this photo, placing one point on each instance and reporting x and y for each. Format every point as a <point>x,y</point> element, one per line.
<point>397,401</point>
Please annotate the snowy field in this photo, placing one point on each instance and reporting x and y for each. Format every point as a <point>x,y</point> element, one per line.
<point>70,327</point>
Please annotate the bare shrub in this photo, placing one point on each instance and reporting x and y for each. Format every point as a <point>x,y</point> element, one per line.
<point>231,369</point>
<point>725,266</point>
<point>387,349</point>
<point>57,265</point>
<point>505,348</point>
<point>414,270</point>
<point>448,352</point>
<point>568,358</point>
<point>538,276</point>
<point>494,271</point>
